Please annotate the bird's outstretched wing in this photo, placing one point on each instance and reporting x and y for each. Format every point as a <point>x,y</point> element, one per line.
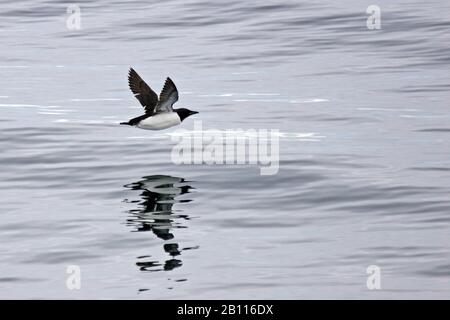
<point>146,96</point>
<point>168,96</point>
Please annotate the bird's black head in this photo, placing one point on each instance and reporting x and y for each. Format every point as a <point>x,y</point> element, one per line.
<point>184,113</point>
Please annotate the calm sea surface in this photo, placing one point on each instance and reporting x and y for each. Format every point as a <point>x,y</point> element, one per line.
<point>364,147</point>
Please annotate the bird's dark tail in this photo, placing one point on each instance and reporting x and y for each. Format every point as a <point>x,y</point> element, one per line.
<point>126,123</point>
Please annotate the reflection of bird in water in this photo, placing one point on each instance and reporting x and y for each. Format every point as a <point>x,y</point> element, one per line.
<point>155,214</point>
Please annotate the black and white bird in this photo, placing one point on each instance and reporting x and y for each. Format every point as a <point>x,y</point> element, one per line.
<point>159,113</point>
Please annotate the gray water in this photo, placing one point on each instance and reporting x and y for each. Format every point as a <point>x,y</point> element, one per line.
<point>364,150</point>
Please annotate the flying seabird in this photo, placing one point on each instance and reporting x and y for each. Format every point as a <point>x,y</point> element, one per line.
<point>159,113</point>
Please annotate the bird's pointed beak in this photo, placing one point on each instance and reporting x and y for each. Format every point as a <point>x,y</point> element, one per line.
<point>194,112</point>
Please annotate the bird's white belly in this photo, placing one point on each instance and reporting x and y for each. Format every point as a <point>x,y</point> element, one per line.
<point>160,121</point>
